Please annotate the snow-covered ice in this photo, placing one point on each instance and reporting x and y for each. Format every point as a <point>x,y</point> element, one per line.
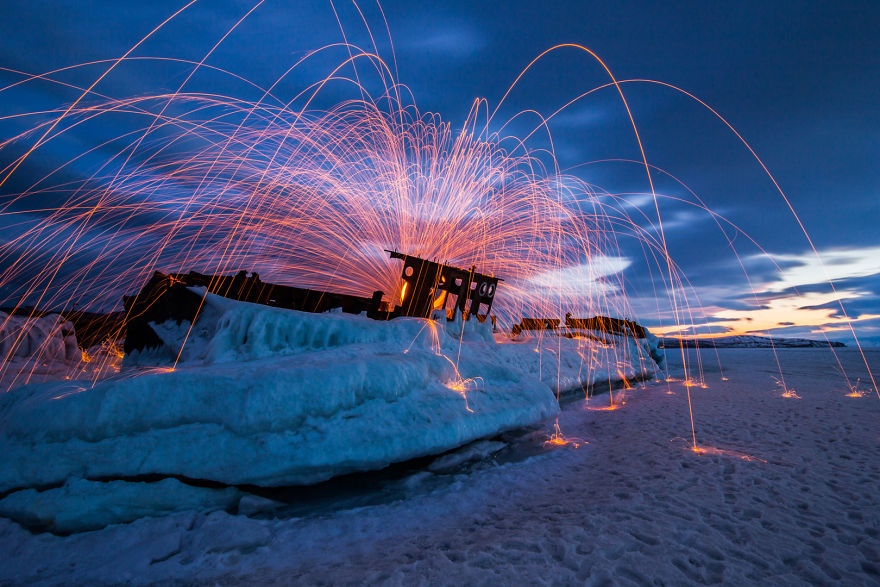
<point>34,349</point>
<point>50,337</point>
<point>630,505</point>
<point>272,397</point>
<point>269,397</point>
<point>82,505</point>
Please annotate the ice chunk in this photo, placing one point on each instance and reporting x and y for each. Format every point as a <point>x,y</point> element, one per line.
<point>254,504</point>
<point>34,349</point>
<point>249,394</point>
<point>271,397</point>
<point>50,338</point>
<point>472,452</point>
<point>82,505</point>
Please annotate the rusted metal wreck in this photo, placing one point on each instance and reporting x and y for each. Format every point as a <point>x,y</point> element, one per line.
<point>427,287</point>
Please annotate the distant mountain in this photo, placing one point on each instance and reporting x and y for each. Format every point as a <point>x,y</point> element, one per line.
<point>748,341</point>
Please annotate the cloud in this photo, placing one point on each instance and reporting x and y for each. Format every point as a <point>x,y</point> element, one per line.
<point>795,299</point>
<point>677,220</point>
<point>584,279</point>
<point>580,118</point>
<point>835,265</point>
<point>810,310</point>
<point>450,40</point>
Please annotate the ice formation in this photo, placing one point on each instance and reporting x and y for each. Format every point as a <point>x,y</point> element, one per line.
<point>82,505</point>
<point>271,397</point>
<point>35,349</point>
<point>51,337</point>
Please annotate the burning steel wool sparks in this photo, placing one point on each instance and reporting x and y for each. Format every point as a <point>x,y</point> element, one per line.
<point>307,197</point>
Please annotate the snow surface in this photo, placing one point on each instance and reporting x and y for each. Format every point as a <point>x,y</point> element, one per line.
<point>574,359</point>
<point>629,505</point>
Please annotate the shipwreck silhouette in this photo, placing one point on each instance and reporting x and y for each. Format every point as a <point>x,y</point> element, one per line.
<point>427,287</point>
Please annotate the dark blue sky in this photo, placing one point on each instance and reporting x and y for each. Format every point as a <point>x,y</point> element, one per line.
<point>799,80</point>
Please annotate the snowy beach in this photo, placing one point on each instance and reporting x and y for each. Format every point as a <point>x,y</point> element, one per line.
<point>792,500</point>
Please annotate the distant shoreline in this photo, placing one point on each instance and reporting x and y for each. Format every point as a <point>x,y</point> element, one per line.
<point>748,341</point>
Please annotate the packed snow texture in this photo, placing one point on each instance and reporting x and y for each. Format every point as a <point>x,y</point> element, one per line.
<point>630,505</point>
<point>571,365</point>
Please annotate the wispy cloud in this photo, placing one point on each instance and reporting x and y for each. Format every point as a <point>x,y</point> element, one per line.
<point>585,279</point>
<point>451,40</point>
<point>835,264</point>
<point>817,312</point>
<point>679,219</point>
<point>796,299</point>
<point>787,311</point>
<point>580,118</point>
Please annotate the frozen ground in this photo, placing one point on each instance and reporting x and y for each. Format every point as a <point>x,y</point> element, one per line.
<point>629,505</point>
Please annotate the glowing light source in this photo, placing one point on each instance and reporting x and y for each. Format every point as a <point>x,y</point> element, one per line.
<point>710,450</point>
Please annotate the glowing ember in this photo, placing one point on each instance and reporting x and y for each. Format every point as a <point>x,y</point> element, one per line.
<point>787,392</point>
<point>608,408</point>
<point>710,450</point>
<point>557,439</point>
<point>854,390</point>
